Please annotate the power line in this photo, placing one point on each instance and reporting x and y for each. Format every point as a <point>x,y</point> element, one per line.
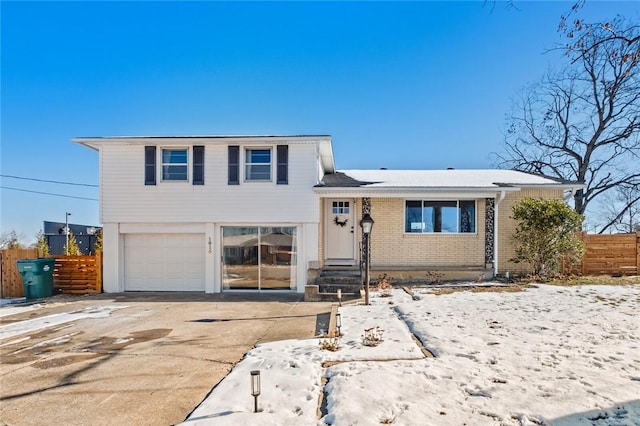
<point>49,193</point>
<point>49,181</point>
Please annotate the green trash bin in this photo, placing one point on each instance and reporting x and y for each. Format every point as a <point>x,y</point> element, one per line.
<point>37,277</point>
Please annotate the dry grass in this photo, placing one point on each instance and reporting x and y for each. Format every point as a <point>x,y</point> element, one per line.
<point>530,282</point>
<point>596,280</point>
<point>331,344</point>
<point>483,289</point>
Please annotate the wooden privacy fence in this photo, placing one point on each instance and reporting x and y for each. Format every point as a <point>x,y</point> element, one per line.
<point>78,274</point>
<point>71,274</point>
<point>616,254</point>
<point>11,278</point>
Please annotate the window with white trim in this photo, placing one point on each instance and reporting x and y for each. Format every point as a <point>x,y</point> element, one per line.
<point>175,164</point>
<point>257,164</point>
<point>448,216</point>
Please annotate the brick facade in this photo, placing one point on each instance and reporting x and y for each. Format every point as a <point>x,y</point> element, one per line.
<point>392,247</point>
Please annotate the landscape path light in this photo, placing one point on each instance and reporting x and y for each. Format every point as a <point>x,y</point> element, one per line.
<point>338,323</point>
<point>255,388</point>
<point>367,225</point>
<point>339,297</point>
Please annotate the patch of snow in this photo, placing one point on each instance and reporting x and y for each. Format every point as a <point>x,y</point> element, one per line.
<point>10,309</point>
<point>548,355</point>
<point>26,326</point>
<point>16,341</point>
<point>446,178</point>
<point>11,300</point>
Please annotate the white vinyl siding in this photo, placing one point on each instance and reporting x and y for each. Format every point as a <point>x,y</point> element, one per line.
<point>125,198</point>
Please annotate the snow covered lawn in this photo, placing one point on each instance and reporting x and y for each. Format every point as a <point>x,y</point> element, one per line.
<point>546,355</point>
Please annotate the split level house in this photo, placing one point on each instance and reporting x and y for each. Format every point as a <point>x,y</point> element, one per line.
<point>270,213</point>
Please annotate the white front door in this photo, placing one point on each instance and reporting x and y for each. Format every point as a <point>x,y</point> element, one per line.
<point>340,232</point>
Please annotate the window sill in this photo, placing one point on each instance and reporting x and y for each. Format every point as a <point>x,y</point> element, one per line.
<point>464,234</point>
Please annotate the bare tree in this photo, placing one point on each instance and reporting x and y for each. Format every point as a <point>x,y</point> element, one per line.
<point>580,38</point>
<point>621,210</point>
<point>11,240</point>
<point>583,123</point>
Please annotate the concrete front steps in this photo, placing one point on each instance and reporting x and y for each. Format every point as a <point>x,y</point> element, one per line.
<point>350,282</point>
<point>325,288</point>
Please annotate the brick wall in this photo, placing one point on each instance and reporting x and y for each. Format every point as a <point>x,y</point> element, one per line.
<point>390,246</point>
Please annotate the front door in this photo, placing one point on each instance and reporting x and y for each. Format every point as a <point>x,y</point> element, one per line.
<point>340,232</point>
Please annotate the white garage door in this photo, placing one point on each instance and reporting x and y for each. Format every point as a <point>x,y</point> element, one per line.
<point>164,262</point>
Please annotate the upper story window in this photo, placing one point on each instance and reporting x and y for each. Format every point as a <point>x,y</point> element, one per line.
<point>175,164</point>
<point>456,216</point>
<point>257,164</point>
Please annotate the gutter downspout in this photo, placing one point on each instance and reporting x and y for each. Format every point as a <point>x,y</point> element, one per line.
<point>495,233</point>
<point>571,194</point>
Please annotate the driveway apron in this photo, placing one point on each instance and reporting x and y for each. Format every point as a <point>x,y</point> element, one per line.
<point>135,358</point>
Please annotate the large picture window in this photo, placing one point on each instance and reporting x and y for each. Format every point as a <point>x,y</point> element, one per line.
<point>455,216</point>
<point>175,164</point>
<point>259,258</point>
<point>257,164</point>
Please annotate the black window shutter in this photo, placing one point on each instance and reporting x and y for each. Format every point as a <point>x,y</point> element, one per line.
<point>149,165</point>
<point>282,165</point>
<point>198,165</point>
<point>234,165</point>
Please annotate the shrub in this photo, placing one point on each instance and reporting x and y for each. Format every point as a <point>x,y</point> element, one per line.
<point>73,249</point>
<point>42,245</point>
<point>547,232</point>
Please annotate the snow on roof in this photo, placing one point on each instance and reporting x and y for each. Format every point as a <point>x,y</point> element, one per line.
<point>446,178</point>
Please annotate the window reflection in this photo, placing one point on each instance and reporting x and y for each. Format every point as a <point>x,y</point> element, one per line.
<point>259,258</point>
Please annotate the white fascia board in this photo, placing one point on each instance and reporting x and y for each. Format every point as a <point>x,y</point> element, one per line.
<point>87,143</point>
<point>325,150</point>
<point>563,186</point>
<point>157,140</point>
<point>452,193</point>
<point>325,192</point>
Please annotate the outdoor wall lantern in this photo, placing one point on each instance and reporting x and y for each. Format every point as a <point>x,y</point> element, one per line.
<point>255,388</point>
<point>338,323</point>
<point>367,225</point>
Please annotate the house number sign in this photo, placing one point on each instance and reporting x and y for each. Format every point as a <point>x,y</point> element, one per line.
<point>209,245</point>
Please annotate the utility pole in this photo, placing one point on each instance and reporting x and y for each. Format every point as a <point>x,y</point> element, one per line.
<point>66,232</point>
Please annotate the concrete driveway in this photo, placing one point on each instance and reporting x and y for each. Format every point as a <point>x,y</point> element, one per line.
<point>150,360</point>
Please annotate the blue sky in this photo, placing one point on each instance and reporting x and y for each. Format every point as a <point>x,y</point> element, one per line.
<point>403,85</point>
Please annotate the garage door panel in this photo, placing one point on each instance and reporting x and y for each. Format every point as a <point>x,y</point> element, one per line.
<point>164,262</point>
